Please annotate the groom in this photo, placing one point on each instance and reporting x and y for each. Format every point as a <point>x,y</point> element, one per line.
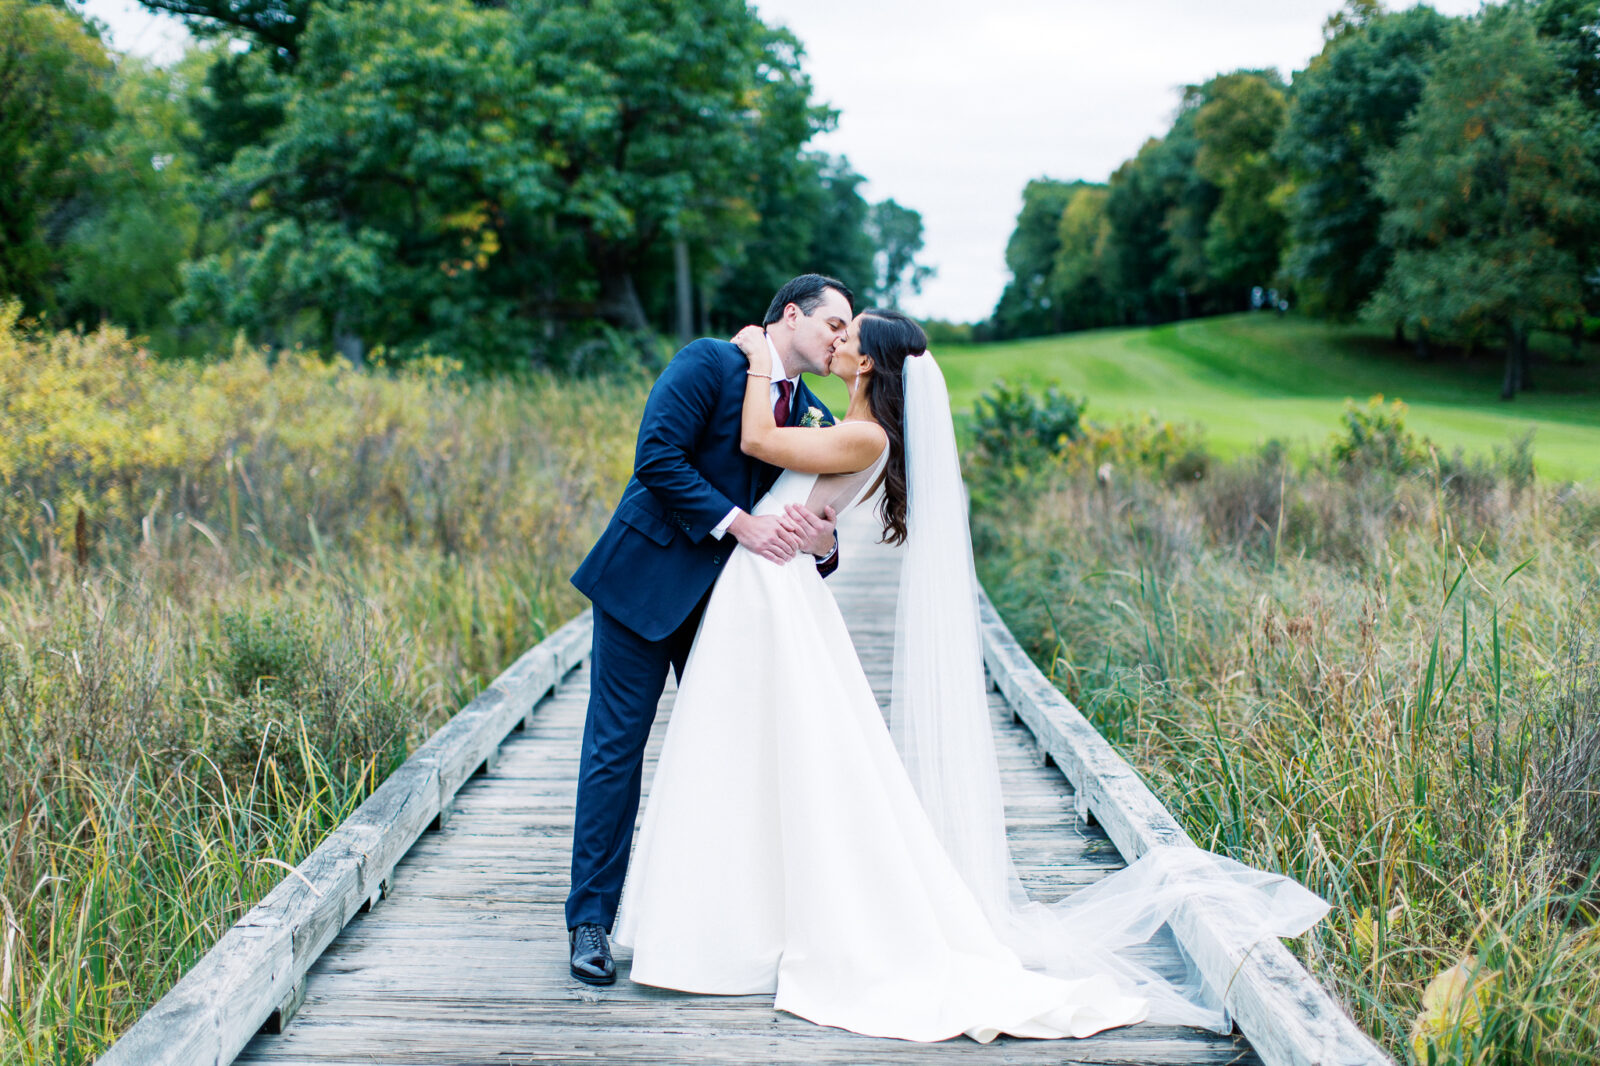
<point>650,573</point>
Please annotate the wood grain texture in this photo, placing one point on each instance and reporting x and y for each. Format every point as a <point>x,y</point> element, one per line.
<point>466,961</point>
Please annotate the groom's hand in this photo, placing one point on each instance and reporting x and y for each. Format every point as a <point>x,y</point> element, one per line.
<point>769,536</point>
<point>816,533</point>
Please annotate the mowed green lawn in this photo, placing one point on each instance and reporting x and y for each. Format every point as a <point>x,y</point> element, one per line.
<point>1248,378</point>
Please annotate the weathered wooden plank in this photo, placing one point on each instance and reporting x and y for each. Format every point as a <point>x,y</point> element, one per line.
<point>469,740</point>
<point>1290,1018</point>
<point>254,975</point>
<point>210,1015</point>
<point>782,1040</point>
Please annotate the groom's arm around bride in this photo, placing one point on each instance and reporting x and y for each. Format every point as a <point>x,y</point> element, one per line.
<point>692,488</point>
<point>682,513</point>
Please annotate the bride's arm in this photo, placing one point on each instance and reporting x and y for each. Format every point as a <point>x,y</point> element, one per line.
<point>843,449</point>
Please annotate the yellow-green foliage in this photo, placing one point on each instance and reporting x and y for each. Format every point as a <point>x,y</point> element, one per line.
<point>1385,684</point>
<point>93,424</point>
<point>286,574</point>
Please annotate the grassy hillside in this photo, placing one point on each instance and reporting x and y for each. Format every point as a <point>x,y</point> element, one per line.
<point>1248,378</point>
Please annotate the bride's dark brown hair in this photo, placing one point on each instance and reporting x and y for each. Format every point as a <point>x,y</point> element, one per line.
<point>888,338</point>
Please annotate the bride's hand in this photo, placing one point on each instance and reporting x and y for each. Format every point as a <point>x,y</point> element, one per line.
<point>752,341</point>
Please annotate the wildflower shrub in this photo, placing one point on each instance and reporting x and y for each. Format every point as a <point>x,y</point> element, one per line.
<point>232,597</point>
<point>1011,427</point>
<point>1374,670</point>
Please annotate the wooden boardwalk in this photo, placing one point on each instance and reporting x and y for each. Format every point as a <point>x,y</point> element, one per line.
<point>466,960</point>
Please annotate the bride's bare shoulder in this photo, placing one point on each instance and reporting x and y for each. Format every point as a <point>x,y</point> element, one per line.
<point>863,426</point>
<point>867,432</point>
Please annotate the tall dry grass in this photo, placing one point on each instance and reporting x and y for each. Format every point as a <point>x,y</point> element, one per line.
<point>232,596</point>
<point>1378,673</point>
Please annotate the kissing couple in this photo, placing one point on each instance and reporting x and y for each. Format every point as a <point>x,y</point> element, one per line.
<point>795,844</point>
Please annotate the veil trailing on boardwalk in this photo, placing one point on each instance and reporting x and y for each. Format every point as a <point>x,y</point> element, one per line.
<point>939,717</point>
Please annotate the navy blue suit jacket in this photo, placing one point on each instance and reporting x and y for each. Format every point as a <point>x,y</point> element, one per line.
<point>657,557</point>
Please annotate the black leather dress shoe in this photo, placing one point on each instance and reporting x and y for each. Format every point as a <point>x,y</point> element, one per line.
<point>591,955</point>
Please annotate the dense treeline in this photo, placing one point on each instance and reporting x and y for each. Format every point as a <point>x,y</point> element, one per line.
<point>1437,175</point>
<point>545,182</point>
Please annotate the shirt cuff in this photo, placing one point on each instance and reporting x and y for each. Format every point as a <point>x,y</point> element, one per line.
<point>720,530</point>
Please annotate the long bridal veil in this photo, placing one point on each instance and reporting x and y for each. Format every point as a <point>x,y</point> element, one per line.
<point>940,720</point>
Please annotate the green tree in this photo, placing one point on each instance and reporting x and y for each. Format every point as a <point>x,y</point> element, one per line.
<point>277,25</point>
<point>1236,127</point>
<point>1158,210</point>
<point>1026,307</point>
<point>244,98</point>
<point>662,114</point>
<point>54,105</point>
<point>1193,220</point>
<point>467,177</point>
<point>243,102</point>
<point>1186,202</point>
<point>407,161</point>
<point>1353,18</point>
<point>1346,109</point>
<point>838,241</point>
<point>1572,27</point>
<point>1170,252</point>
<point>896,233</point>
<point>1139,254</point>
<point>809,216</point>
<point>1078,275</point>
<point>1490,191</point>
<point>123,257</point>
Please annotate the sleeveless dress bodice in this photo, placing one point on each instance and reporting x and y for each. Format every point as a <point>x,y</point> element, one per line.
<point>791,487</point>
<point>842,492</point>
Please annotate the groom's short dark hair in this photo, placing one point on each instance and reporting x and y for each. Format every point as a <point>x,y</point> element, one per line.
<point>806,292</point>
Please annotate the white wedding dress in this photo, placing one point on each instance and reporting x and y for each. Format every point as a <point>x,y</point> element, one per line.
<point>793,845</point>
<point>784,849</point>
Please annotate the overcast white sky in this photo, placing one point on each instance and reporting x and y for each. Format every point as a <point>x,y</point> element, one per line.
<point>950,106</point>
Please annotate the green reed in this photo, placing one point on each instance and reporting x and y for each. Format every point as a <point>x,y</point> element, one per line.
<point>1385,683</point>
<point>232,597</point>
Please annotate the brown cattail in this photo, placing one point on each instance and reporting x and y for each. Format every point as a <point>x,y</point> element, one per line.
<point>80,536</point>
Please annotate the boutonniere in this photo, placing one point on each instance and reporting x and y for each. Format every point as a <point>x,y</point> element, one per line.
<point>812,418</point>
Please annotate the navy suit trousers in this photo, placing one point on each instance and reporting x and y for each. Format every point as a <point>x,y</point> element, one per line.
<point>627,674</point>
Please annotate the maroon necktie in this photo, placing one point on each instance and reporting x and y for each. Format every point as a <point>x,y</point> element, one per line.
<point>780,410</point>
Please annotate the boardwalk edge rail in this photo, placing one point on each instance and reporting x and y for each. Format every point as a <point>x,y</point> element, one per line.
<point>254,977</point>
<point>1287,1015</point>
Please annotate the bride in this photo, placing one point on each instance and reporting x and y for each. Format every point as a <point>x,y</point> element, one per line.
<point>794,845</point>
